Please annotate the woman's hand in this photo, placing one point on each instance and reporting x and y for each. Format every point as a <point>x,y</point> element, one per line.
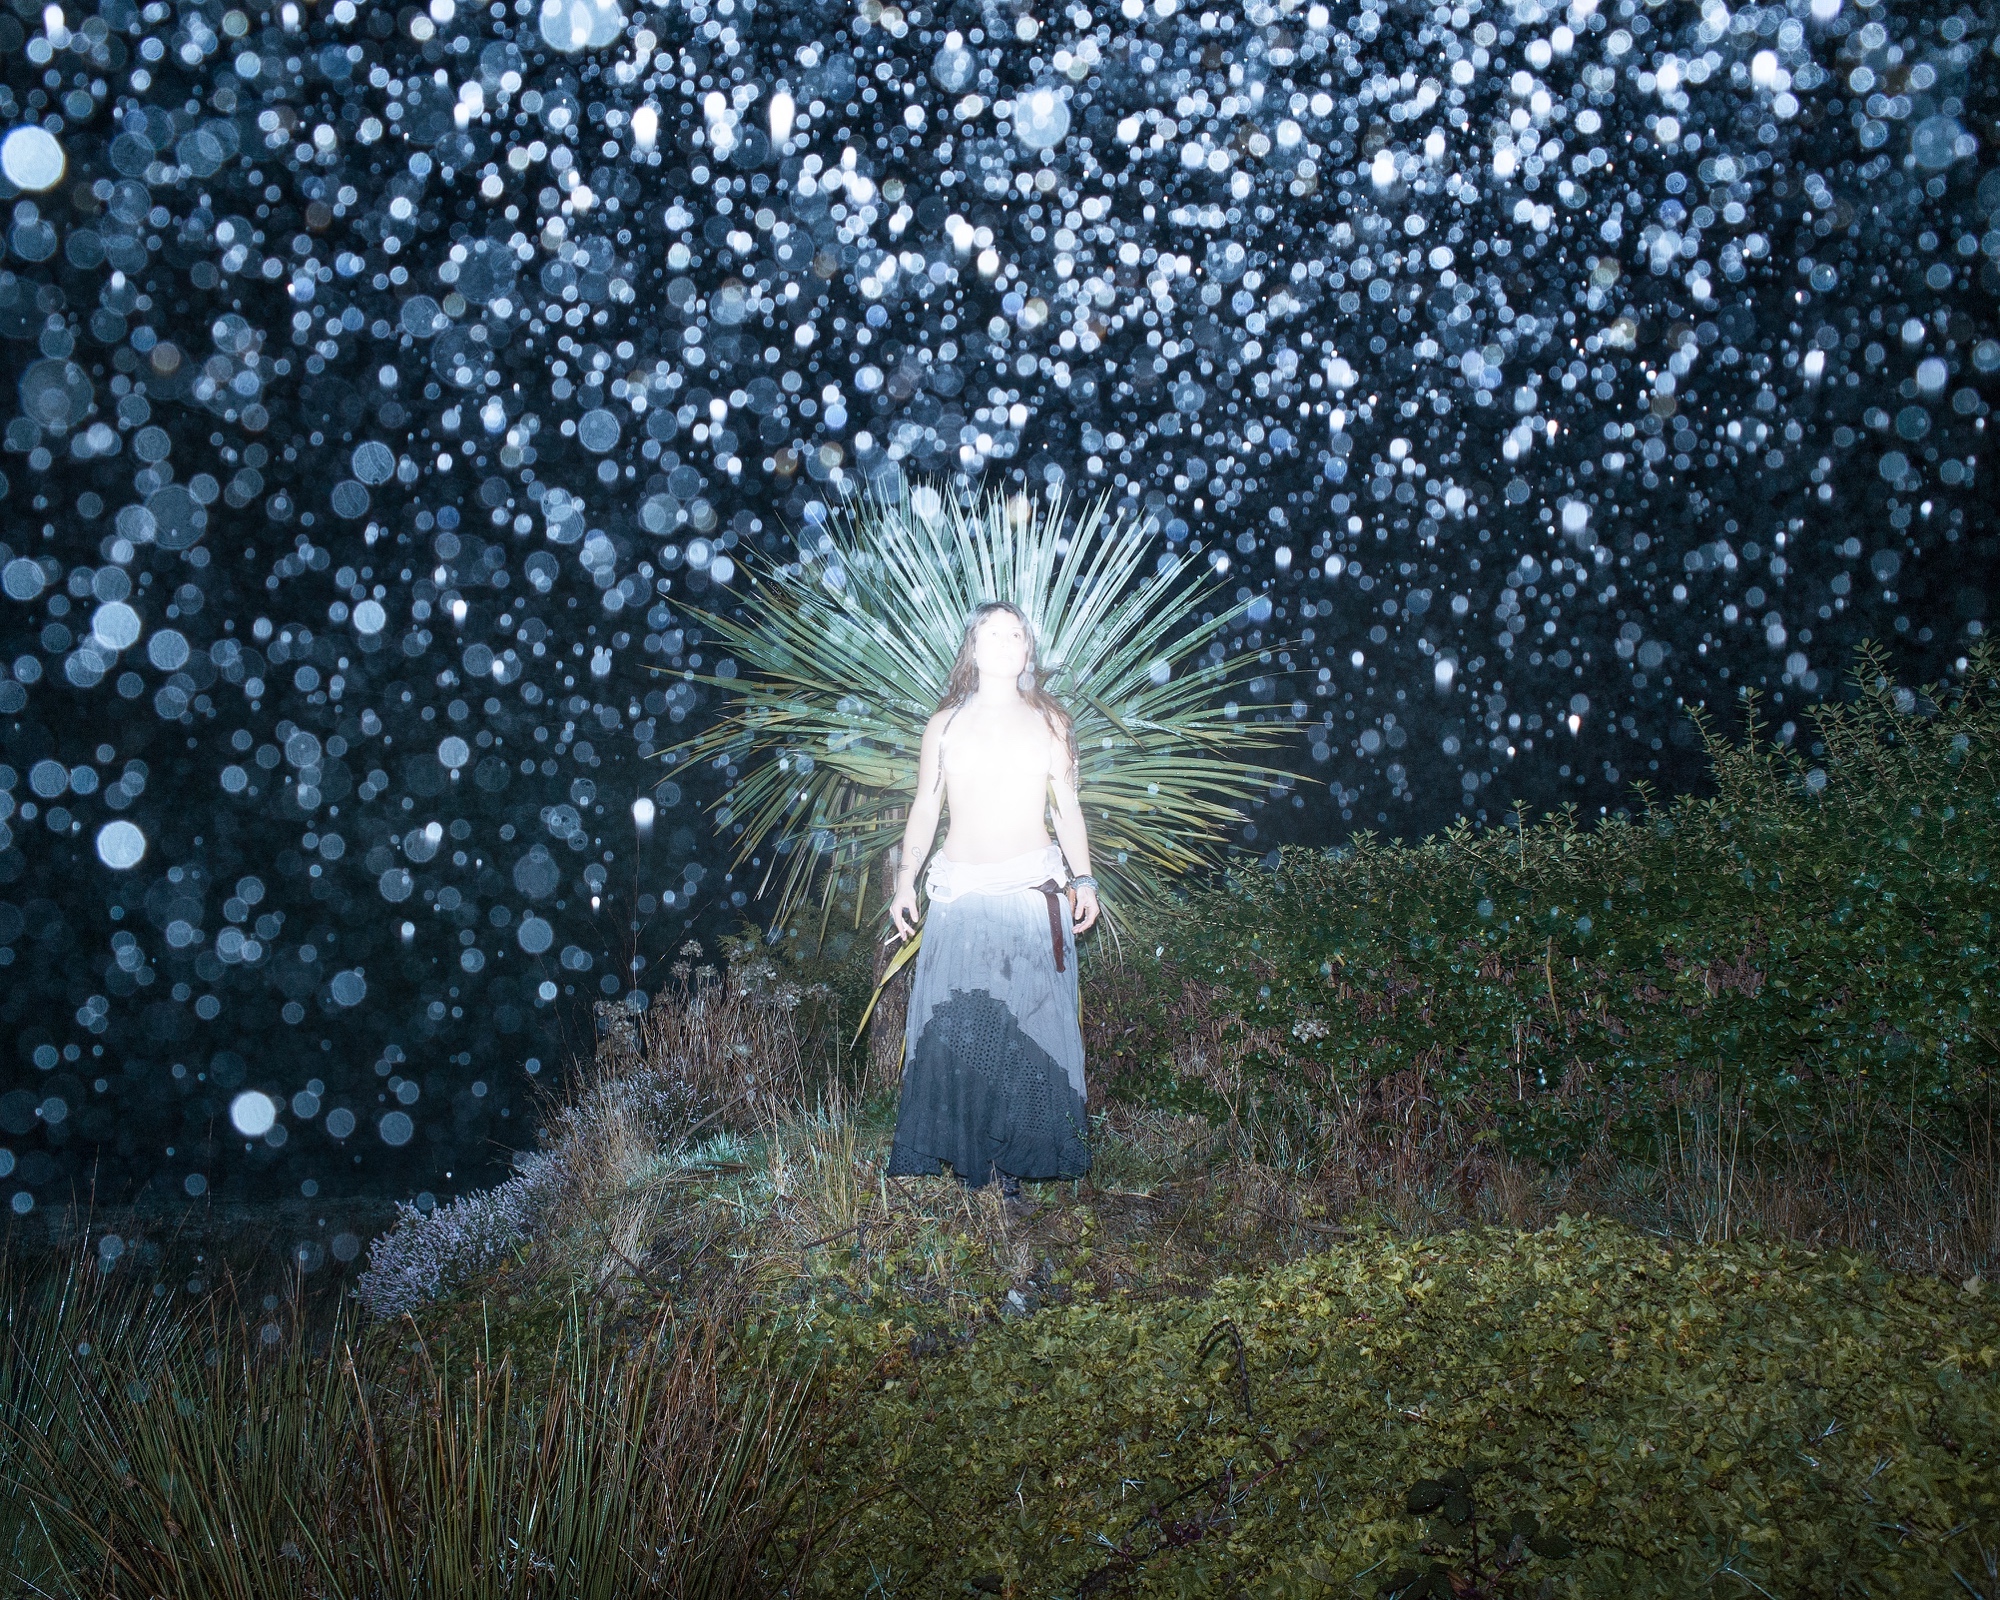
<point>903,910</point>
<point>1086,907</point>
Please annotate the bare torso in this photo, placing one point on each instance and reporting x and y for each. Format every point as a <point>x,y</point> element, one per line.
<point>997,765</point>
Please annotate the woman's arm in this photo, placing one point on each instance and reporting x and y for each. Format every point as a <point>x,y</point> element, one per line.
<point>921,825</point>
<point>1070,832</point>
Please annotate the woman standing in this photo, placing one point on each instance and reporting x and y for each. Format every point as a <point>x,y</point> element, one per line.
<point>993,1054</point>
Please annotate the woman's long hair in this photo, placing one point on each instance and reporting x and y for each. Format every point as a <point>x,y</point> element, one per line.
<point>964,679</point>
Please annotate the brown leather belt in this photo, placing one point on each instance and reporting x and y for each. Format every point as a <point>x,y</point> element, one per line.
<point>1056,891</point>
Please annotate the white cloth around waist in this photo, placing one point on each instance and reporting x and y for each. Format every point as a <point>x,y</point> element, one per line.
<point>946,880</point>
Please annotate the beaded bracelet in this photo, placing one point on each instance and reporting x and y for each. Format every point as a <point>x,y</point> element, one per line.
<point>1083,881</point>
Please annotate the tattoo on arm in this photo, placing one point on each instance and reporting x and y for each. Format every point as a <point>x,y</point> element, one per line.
<point>937,780</point>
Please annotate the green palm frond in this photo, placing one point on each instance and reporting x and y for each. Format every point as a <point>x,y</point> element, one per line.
<point>843,655</point>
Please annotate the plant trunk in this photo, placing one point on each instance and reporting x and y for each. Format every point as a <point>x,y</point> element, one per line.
<point>885,1027</point>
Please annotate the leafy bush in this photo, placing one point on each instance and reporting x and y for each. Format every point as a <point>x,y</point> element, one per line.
<point>1453,1502</point>
<point>1809,949</point>
<point>1808,1422</point>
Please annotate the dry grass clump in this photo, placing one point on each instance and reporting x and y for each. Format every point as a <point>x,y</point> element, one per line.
<point>804,1210</point>
<point>732,1035</point>
<point>712,1054</point>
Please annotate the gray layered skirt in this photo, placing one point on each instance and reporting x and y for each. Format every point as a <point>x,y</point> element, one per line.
<point>993,1054</point>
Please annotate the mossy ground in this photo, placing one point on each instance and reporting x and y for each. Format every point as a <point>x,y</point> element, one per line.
<point>1018,1400</point>
<point>1750,1418</point>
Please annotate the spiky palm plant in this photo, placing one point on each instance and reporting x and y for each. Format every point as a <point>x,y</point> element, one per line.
<point>843,654</point>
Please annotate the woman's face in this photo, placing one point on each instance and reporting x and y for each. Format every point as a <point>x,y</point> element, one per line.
<point>1000,646</point>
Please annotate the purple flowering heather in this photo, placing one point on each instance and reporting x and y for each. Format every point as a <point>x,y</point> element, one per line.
<point>596,1143</point>
<point>429,1254</point>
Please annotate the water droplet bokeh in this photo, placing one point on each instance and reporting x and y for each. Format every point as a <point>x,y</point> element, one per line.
<point>381,387</point>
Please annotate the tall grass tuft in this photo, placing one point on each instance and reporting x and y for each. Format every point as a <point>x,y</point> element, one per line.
<point>215,1453</point>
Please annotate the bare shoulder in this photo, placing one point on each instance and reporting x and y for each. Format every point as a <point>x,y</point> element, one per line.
<point>942,729</point>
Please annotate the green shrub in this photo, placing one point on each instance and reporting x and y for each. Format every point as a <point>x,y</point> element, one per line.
<point>1810,1423</point>
<point>1812,947</point>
